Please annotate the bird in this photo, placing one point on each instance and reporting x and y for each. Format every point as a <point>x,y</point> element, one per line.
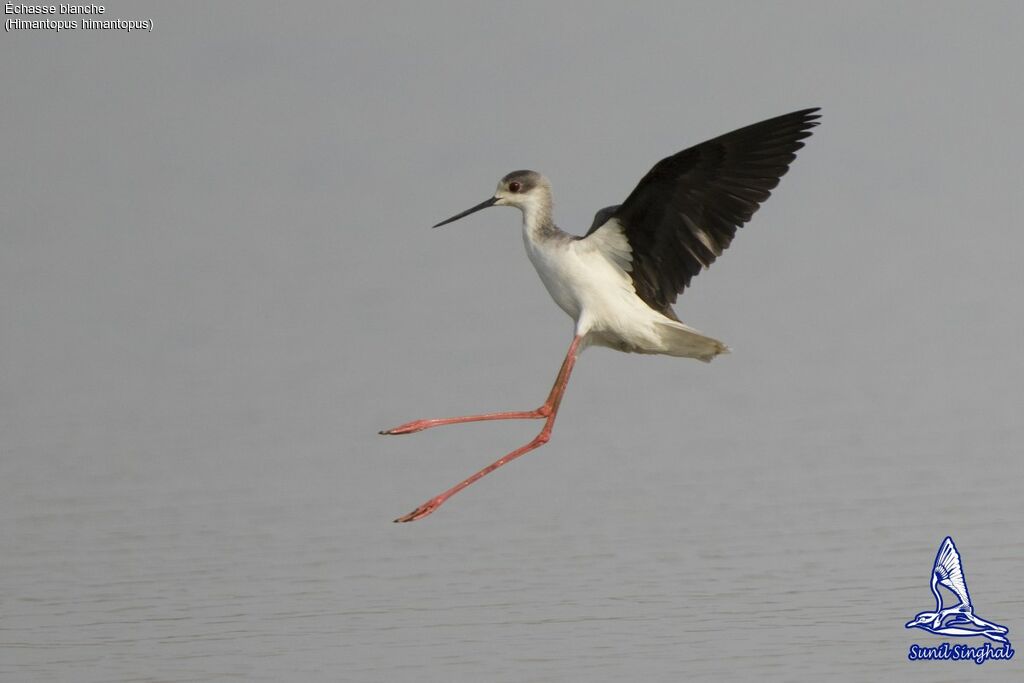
<point>948,572</point>
<point>618,282</point>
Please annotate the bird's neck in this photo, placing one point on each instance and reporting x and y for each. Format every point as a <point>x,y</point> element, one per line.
<point>935,590</point>
<point>537,222</point>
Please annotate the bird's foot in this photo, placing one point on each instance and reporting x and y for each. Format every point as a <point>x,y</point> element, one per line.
<point>407,428</point>
<point>422,511</point>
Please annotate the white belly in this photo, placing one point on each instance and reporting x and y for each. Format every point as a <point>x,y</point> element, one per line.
<point>589,280</point>
<point>591,285</point>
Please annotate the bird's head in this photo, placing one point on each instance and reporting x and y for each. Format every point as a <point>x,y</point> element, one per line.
<point>528,191</point>
<point>523,189</point>
<point>921,619</point>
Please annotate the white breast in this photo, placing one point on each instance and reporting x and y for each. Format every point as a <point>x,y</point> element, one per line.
<point>589,278</point>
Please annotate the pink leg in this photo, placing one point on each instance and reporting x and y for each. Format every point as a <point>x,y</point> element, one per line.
<point>548,410</point>
<point>542,412</point>
<point>420,425</point>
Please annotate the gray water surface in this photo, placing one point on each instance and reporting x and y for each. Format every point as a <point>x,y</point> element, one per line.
<point>217,284</point>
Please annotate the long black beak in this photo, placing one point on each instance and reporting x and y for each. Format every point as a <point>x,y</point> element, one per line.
<point>481,205</point>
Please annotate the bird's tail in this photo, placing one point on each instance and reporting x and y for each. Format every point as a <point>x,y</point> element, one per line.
<point>681,340</point>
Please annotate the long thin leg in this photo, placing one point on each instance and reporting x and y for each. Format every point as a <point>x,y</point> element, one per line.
<point>420,425</point>
<point>554,400</point>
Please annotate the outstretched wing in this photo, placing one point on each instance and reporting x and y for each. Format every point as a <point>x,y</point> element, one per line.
<point>686,210</point>
<point>950,571</point>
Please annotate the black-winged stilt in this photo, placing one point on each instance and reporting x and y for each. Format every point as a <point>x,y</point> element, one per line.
<point>619,281</point>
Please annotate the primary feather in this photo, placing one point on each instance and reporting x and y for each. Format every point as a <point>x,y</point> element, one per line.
<point>685,212</point>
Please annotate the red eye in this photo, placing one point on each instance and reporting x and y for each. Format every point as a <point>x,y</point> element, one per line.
<point>514,186</point>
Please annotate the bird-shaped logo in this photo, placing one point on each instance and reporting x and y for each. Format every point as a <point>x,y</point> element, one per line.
<point>959,619</point>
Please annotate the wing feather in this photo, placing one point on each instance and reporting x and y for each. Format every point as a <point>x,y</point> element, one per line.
<point>685,212</point>
<point>950,571</point>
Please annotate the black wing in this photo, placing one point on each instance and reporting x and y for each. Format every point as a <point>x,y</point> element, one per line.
<point>685,211</point>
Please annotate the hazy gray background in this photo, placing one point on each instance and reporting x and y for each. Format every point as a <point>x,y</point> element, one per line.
<point>218,283</point>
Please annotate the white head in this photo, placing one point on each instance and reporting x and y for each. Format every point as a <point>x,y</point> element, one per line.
<point>528,191</point>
